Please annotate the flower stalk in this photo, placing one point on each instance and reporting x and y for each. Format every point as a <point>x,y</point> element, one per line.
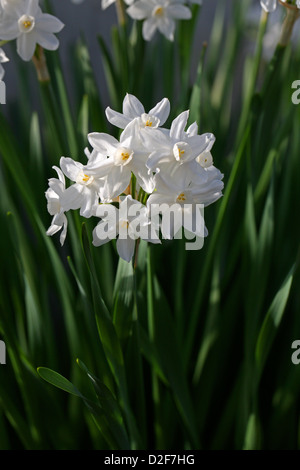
<point>39,61</point>
<point>292,14</point>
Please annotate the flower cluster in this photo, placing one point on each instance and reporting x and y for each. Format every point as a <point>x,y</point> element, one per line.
<point>24,21</point>
<point>149,166</point>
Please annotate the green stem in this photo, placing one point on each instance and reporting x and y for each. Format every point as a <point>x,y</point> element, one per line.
<point>151,331</point>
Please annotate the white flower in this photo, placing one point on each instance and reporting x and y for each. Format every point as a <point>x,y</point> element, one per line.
<point>3,59</point>
<point>24,21</point>
<point>105,3</point>
<point>117,160</point>
<point>178,153</point>
<point>54,195</point>
<point>270,5</point>
<point>183,196</point>
<point>129,223</point>
<point>158,14</point>
<point>133,108</point>
<point>84,194</point>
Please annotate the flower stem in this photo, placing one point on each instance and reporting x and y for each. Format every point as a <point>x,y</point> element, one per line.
<point>121,12</point>
<point>39,61</point>
<point>292,14</point>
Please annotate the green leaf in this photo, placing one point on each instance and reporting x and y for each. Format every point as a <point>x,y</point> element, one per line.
<point>272,322</point>
<point>110,408</point>
<point>56,379</point>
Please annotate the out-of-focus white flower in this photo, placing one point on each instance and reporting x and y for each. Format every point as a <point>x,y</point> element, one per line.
<point>54,195</point>
<point>270,5</point>
<point>159,15</point>
<point>24,21</point>
<point>129,223</point>
<point>105,3</point>
<point>117,160</point>
<point>133,108</point>
<point>3,59</point>
<point>84,193</point>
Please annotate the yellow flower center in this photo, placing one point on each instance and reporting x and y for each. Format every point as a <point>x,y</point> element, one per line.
<point>124,224</point>
<point>181,152</point>
<point>125,155</point>
<point>85,178</point>
<point>148,123</point>
<point>27,24</point>
<point>181,197</point>
<point>159,11</point>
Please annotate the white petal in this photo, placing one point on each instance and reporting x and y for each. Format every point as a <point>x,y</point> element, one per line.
<point>48,23</point>
<point>60,175</point>
<point>70,167</point>
<point>125,248</point>
<point>104,232</point>
<point>26,46</point>
<point>161,111</point>
<point>116,182</point>
<point>32,7</point>
<point>192,130</point>
<point>149,28</point>
<point>3,57</point>
<point>106,3</point>
<point>140,10</point>
<point>179,12</point>
<point>47,40</point>
<point>132,107</point>
<point>117,119</point>
<point>104,143</point>
<point>167,26</point>
<point>64,231</point>
<point>178,126</point>
<point>2,72</point>
<point>73,197</point>
<point>268,5</point>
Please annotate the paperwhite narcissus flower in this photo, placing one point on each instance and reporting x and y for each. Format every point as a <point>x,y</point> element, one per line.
<point>104,3</point>
<point>270,5</point>
<point>3,59</point>
<point>84,194</point>
<point>158,15</point>
<point>175,152</point>
<point>54,195</point>
<point>117,160</point>
<point>129,223</point>
<point>183,195</point>
<point>133,108</point>
<point>24,21</point>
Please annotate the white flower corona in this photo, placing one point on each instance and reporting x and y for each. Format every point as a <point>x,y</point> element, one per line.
<point>24,21</point>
